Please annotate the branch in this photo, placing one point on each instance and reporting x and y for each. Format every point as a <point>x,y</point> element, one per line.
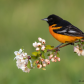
<point>57,49</point>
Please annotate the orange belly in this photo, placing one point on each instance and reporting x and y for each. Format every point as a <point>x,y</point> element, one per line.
<point>63,38</point>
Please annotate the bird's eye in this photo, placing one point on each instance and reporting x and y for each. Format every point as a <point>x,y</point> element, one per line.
<point>50,19</point>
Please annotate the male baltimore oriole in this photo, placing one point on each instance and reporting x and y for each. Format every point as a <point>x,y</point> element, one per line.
<point>63,30</point>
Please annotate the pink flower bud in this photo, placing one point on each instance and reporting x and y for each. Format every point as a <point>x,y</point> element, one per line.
<point>47,61</point>
<point>37,61</point>
<point>42,59</point>
<point>76,49</point>
<point>39,66</point>
<point>58,59</point>
<point>44,64</point>
<point>49,57</point>
<point>55,60</point>
<point>55,57</point>
<point>52,60</point>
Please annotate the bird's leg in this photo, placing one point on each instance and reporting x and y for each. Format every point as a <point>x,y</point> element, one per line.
<point>72,43</point>
<point>59,46</point>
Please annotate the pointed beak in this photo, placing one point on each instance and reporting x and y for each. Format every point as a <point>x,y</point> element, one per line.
<point>45,19</point>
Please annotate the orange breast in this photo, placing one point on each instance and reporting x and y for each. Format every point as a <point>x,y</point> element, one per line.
<point>63,38</point>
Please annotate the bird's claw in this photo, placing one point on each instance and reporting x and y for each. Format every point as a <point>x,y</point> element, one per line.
<point>57,49</point>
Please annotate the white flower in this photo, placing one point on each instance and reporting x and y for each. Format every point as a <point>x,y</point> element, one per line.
<point>31,63</point>
<point>23,67</point>
<point>35,44</point>
<point>43,41</point>
<point>40,39</point>
<point>76,49</point>
<point>79,53</point>
<point>25,54</point>
<point>82,53</point>
<point>38,44</point>
<point>22,60</point>
<point>26,69</point>
<point>18,52</point>
<point>43,47</point>
<point>18,63</point>
<point>37,49</point>
<point>15,52</point>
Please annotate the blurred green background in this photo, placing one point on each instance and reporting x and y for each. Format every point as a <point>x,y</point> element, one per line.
<point>21,25</point>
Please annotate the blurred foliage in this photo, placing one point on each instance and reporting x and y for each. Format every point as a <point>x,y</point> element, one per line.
<point>21,25</point>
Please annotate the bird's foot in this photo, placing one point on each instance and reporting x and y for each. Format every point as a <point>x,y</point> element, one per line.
<point>57,47</point>
<point>72,43</point>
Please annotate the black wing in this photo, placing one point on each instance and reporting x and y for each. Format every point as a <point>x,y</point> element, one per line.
<point>70,31</point>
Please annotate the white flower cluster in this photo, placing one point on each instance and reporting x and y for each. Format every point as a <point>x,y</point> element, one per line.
<point>40,44</point>
<point>22,60</point>
<point>78,50</point>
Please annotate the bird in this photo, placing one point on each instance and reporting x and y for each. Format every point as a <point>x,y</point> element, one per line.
<point>62,30</point>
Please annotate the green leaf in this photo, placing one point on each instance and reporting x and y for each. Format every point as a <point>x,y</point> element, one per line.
<point>52,46</point>
<point>43,68</point>
<point>58,54</point>
<point>29,64</point>
<point>49,47</point>
<point>34,57</point>
<point>24,58</point>
<point>38,52</point>
<point>48,54</point>
<point>43,56</point>
<point>35,53</point>
<point>34,63</point>
<point>54,50</point>
<point>83,43</point>
<point>79,40</point>
<point>45,50</point>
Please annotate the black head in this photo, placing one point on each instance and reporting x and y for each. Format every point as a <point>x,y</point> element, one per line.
<point>53,19</point>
